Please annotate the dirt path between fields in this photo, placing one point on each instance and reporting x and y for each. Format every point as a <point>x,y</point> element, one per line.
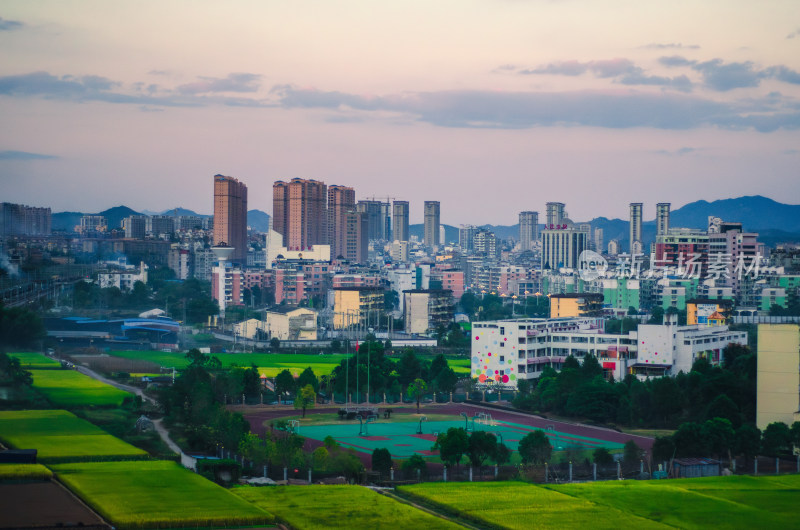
<point>160,429</point>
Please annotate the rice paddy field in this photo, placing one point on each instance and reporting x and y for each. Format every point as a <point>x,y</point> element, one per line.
<point>519,505</point>
<point>323,507</point>
<point>71,389</point>
<point>31,360</point>
<point>269,364</point>
<point>24,472</point>
<point>157,494</point>
<point>60,436</point>
<point>718,502</point>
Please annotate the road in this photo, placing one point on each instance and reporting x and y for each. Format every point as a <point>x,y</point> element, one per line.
<point>160,429</point>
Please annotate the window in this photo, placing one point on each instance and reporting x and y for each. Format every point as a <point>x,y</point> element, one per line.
<point>502,358</point>
<point>502,331</point>
<point>502,344</point>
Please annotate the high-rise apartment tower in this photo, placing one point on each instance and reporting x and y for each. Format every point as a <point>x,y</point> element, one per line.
<point>528,229</point>
<point>431,223</point>
<point>230,215</point>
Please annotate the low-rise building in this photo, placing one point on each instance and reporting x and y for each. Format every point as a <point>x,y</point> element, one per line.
<point>576,305</point>
<point>291,323</point>
<point>427,309</point>
<point>778,379</point>
<point>357,306</point>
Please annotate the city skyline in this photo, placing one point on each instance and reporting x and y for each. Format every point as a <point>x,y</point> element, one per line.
<point>536,101</point>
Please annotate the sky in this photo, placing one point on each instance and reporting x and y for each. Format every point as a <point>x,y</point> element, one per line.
<point>491,107</point>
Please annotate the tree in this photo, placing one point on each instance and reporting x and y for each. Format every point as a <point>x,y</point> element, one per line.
<point>748,441</point>
<point>287,448</point>
<point>12,373</point>
<point>794,434</point>
<point>602,457</point>
<point>438,364</point>
<point>776,438</point>
<point>690,440</point>
<point>20,327</point>
<point>408,368</point>
<point>251,381</point>
<point>657,315</point>
<point>502,454</point>
<point>382,461</point>
<point>663,449</point>
<point>417,389</point>
<point>416,464</point>
<point>274,343</point>
<point>307,377</point>
<point>723,407</point>
<point>452,445</point>
<point>285,383</point>
<point>720,436</point>
<point>447,380</point>
<point>319,458</point>
<point>305,399</point>
<point>631,453</point>
<point>253,448</point>
<point>535,448</point>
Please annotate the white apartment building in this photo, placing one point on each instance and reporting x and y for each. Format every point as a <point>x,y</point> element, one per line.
<point>504,351</point>
<point>123,280</point>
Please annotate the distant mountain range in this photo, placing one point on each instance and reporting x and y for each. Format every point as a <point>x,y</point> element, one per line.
<point>67,221</point>
<point>774,221</point>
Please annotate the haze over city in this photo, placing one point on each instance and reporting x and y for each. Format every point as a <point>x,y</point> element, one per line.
<point>141,103</point>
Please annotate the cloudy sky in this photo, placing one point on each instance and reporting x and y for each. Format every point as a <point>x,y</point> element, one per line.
<point>489,106</point>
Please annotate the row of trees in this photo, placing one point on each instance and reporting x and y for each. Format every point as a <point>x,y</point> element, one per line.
<point>194,404</point>
<point>581,391</point>
<point>718,437</point>
<point>282,448</point>
<point>20,328</point>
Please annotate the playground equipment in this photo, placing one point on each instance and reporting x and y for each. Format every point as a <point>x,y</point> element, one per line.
<point>483,418</point>
<point>363,427</point>
<point>466,422</point>
<point>294,426</point>
<point>419,429</point>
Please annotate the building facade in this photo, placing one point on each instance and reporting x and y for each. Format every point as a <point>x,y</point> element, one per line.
<point>431,223</point>
<point>230,215</point>
<point>400,221</point>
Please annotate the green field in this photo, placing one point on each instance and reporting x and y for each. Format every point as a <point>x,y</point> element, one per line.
<point>157,494</point>
<point>323,507</point>
<point>17,472</point>
<point>521,505</point>
<point>60,436</point>
<point>746,502</point>
<point>714,502</point>
<point>269,364</point>
<point>30,360</point>
<point>68,388</point>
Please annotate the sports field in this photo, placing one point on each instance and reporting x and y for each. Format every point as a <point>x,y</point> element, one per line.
<point>403,440</point>
<point>68,389</point>
<point>323,507</point>
<point>157,494</point>
<point>269,364</point>
<point>60,436</point>
<point>29,360</point>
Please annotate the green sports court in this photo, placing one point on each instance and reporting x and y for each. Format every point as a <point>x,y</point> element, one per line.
<point>403,439</point>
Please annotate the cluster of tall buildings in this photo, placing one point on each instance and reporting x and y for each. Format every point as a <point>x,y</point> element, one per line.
<point>22,220</point>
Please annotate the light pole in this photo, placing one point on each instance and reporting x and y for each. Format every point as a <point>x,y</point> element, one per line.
<point>513,305</point>
<point>368,366</point>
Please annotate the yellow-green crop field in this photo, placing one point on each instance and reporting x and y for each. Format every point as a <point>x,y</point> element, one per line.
<point>29,360</point>
<point>157,494</point>
<point>69,389</point>
<point>718,502</point>
<point>714,502</point>
<point>323,507</point>
<point>60,436</point>
<point>269,364</point>
<point>16,472</point>
<point>521,505</point>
